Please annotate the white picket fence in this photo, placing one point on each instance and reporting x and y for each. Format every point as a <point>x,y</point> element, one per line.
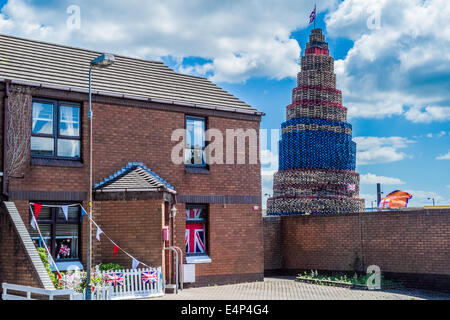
<point>133,286</point>
<point>25,293</point>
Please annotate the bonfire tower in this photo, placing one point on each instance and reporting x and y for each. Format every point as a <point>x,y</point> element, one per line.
<point>316,153</point>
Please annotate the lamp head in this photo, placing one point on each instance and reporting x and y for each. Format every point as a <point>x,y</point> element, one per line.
<point>103,61</point>
<point>174,211</point>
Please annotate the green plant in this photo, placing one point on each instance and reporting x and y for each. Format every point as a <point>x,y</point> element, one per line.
<point>344,279</point>
<point>44,257</point>
<point>110,267</point>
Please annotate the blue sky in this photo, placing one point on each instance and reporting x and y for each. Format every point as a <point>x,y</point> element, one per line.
<point>392,64</point>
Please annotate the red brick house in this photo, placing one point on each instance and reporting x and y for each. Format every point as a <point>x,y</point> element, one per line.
<point>137,105</point>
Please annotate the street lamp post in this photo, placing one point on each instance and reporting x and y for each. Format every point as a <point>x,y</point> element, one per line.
<point>373,202</point>
<point>431,199</point>
<point>101,62</point>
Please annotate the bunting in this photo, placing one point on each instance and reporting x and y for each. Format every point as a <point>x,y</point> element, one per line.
<point>116,248</point>
<point>135,264</point>
<point>83,213</point>
<point>65,209</point>
<point>99,231</point>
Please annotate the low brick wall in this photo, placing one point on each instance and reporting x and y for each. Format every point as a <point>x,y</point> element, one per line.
<point>413,246</point>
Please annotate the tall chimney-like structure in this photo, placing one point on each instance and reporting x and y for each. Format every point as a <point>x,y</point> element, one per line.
<point>317,156</point>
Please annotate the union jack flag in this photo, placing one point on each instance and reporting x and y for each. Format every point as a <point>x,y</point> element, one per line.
<point>195,238</point>
<point>193,214</point>
<point>149,277</point>
<point>312,16</point>
<point>64,250</point>
<point>351,187</point>
<point>115,279</point>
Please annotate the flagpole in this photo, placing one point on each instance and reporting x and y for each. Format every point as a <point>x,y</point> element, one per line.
<point>315,14</point>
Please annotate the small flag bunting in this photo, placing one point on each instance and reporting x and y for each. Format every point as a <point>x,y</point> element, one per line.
<point>65,250</point>
<point>65,210</point>
<point>99,231</point>
<point>37,209</point>
<point>135,264</point>
<point>116,248</point>
<point>83,213</point>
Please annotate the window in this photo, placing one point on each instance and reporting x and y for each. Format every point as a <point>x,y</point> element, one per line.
<point>55,129</point>
<point>195,141</point>
<point>196,229</point>
<point>60,235</point>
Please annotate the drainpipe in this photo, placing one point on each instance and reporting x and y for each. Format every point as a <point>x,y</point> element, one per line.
<point>5,139</point>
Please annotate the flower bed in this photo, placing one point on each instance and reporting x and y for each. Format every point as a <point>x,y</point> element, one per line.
<point>358,282</point>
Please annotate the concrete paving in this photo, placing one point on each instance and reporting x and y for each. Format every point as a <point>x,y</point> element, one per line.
<point>288,289</point>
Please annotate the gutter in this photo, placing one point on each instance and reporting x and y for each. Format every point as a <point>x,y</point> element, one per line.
<point>5,137</point>
<point>136,190</point>
<point>124,96</point>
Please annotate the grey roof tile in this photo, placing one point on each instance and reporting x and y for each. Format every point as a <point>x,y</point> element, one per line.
<point>135,175</point>
<point>52,64</point>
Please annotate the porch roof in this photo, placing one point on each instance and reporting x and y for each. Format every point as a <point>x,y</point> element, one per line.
<point>135,176</point>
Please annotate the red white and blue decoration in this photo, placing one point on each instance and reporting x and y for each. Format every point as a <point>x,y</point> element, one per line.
<point>193,214</point>
<point>312,16</point>
<point>64,250</point>
<point>115,279</point>
<point>195,238</point>
<point>149,277</point>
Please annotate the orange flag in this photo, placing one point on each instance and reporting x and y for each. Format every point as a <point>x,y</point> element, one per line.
<point>396,199</point>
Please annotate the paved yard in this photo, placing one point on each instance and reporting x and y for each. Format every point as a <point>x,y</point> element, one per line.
<point>288,289</point>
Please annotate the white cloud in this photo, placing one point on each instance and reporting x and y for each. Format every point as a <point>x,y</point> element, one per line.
<point>400,68</point>
<point>428,114</point>
<point>372,150</point>
<point>236,39</point>
<point>444,156</point>
<point>370,178</point>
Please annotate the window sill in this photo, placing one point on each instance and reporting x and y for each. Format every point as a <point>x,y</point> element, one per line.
<point>197,170</point>
<point>67,265</point>
<point>198,259</point>
<point>56,162</point>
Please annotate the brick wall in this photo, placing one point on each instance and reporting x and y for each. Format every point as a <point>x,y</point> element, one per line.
<point>234,244</point>
<point>409,245</point>
<point>135,226</point>
<point>16,266</point>
<point>272,243</point>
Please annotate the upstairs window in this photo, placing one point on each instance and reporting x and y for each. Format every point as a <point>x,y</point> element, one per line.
<point>195,142</point>
<point>55,129</point>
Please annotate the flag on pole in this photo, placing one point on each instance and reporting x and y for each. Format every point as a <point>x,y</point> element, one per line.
<point>116,248</point>
<point>99,231</point>
<point>83,213</point>
<point>135,264</point>
<point>65,210</point>
<point>312,16</point>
